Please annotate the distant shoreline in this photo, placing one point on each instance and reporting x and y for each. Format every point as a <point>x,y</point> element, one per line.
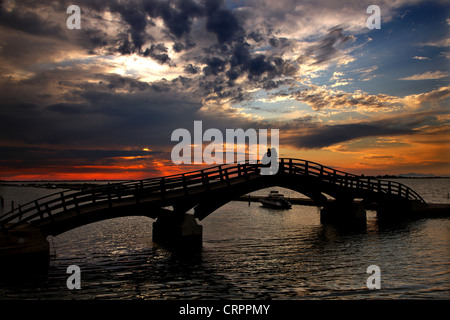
<point>88,184</point>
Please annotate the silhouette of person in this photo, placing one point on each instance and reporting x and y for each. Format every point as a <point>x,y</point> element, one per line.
<point>266,158</point>
<point>270,160</point>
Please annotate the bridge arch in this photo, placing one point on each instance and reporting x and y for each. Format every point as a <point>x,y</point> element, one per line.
<point>203,190</point>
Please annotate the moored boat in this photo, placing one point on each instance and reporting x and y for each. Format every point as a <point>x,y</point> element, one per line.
<point>275,200</point>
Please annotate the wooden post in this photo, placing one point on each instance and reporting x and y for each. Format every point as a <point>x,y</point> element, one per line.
<point>137,194</point>
<point>205,180</point>
<point>76,204</point>
<point>220,173</point>
<point>63,200</point>
<point>109,198</point>
<point>185,188</point>
<point>49,213</point>
<point>38,209</point>
<point>227,177</point>
<point>163,188</point>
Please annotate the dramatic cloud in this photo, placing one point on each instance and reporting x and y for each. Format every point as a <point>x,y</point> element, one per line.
<point>427,76</point>
<point>321,136</point>
<point>137,70</point>
<point>319,98</point>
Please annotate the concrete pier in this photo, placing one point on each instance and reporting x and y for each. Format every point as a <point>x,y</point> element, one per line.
<point>177,229</point>
<point>343,214</point>
<point>20,246</point>
<point>402,210</point>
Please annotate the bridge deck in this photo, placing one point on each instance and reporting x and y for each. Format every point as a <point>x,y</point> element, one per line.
<point>193,189</point>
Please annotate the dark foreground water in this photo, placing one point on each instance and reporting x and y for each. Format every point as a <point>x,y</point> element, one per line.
<point>248,252</point>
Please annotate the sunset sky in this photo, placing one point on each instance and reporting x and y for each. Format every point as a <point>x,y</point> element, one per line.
<point>101,102</point>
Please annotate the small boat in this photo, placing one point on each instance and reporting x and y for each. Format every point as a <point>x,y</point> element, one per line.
<point>275,200</point>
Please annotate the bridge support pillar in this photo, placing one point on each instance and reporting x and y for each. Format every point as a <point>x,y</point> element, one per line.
<point>23,248</point>
<point>177,229</point>
<point>343,214</point>
<point>400,210</point>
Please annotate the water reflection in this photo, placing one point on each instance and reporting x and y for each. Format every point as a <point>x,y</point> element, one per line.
<point>248,252</point>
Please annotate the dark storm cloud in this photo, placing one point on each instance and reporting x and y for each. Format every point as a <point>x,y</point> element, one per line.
<point>330,135</point>
<point>30,22</point>
<point>37,153</point>
<point>177,15</point>
<point>222,22</point>
<point>191,69</point>
<point>320,136</point>
<point>83,106</point>
<point>329,46</point>
<point>113,111</point>
<point>157,52</point>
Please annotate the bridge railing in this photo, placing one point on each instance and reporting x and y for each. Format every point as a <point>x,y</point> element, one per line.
<point>352,181</point>
<point>160,187</point>
<point>51,205</point>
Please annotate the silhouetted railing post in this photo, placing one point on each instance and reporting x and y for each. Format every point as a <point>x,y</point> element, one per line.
<point>49,213</point>
<point>38,207</point>
<point>137,194</point>
<point>119,192</point>
<point>247,177</point>
<point>109,198</point>
<point>205,180</point>
<point>63,201</point>
<point>163,188</point>
<point>227,177</point>
<point>185,188</point>
<point>220,173</point>
<point>75,201</point>
<point>290,166</point>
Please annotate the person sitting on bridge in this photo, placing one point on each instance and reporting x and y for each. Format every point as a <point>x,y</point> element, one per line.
<point>265,161</point>
<point>270,160</point>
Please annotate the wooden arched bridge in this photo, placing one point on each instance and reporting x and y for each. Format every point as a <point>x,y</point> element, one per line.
<point>168,198</point>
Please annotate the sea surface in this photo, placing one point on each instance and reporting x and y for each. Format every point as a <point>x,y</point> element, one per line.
<point>248,252</point>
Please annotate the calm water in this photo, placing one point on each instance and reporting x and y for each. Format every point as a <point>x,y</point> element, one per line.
<point>249,252</point>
